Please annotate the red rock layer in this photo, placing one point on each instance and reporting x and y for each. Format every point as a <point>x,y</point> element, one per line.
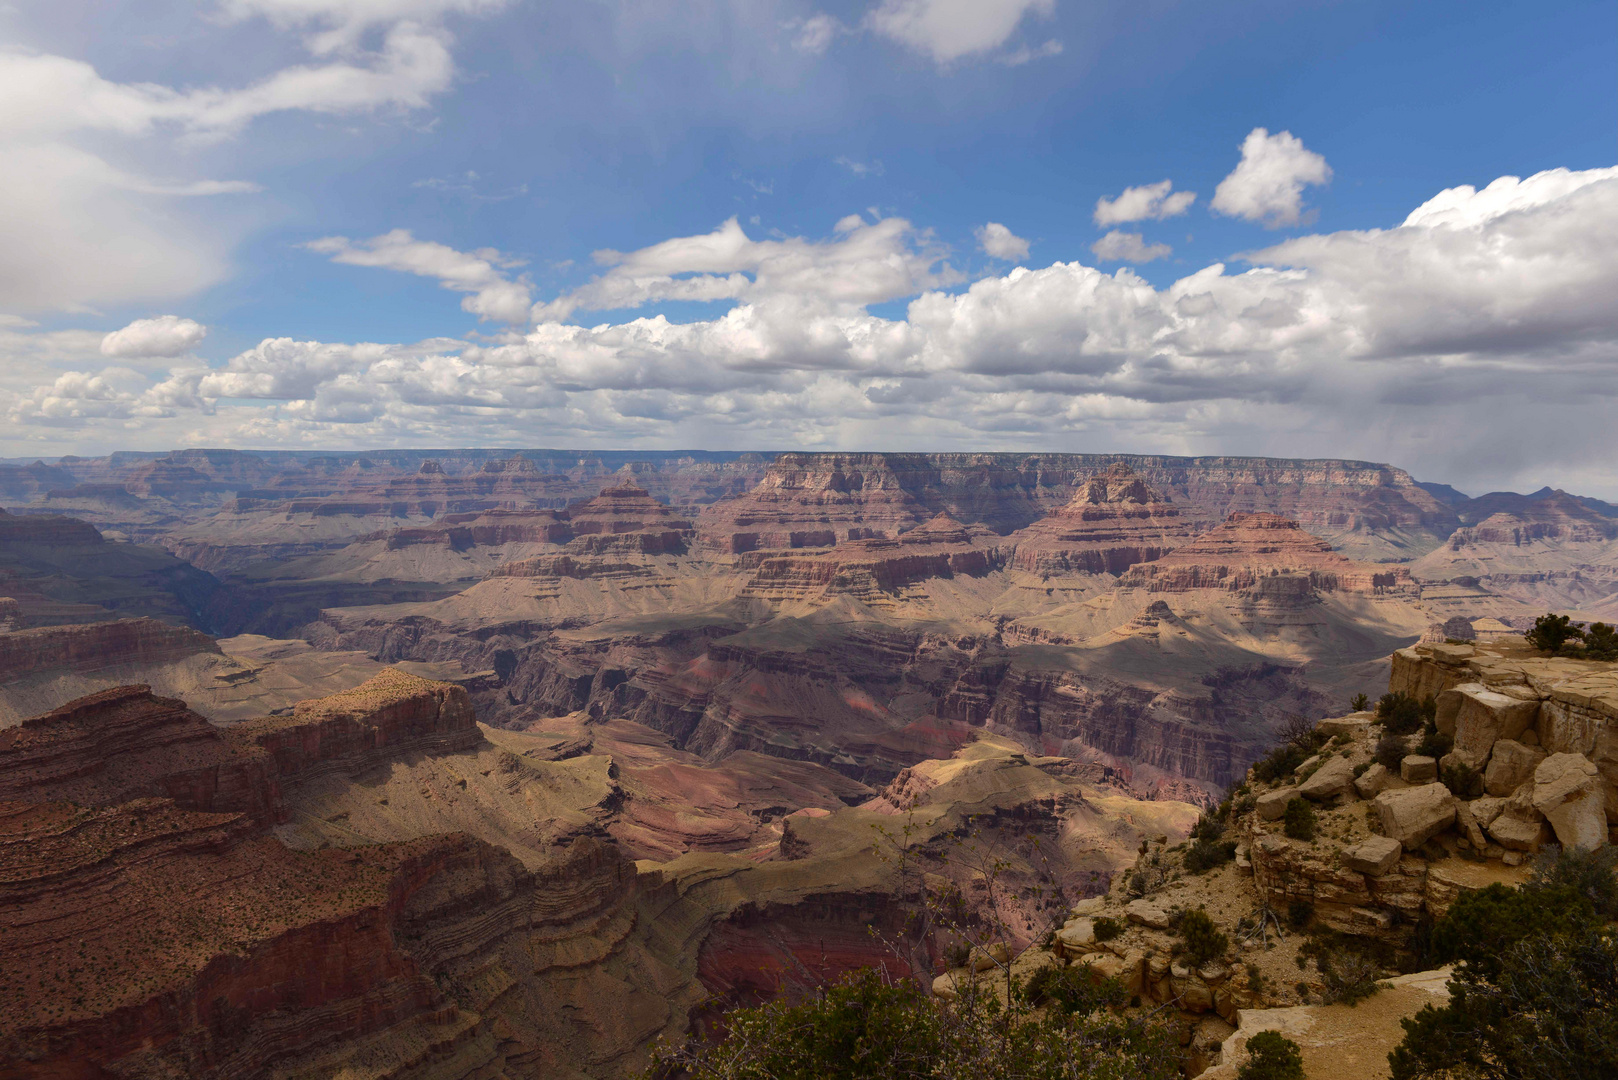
<point>92,646</point>
<point>866,569</point>
<point>127,743</point>
<point>1250,547</point>
<point>812,500</point>
<point>144,940</point>
<point>1115,521</point>
<point>385,716</point>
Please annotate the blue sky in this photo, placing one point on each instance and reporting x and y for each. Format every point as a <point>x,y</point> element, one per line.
<point>175,162</point>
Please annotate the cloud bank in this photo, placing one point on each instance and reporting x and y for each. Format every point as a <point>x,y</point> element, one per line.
<point>1478,334</point>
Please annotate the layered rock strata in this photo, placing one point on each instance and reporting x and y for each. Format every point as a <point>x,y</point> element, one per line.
<point>1115,521</point>
<point>1248,548</point>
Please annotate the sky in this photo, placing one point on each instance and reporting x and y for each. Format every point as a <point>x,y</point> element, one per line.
<point>1372,230</point>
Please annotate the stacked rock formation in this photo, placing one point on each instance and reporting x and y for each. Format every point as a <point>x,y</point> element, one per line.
<point>814,500</point>
<point>1115,521</point>
<point>611,536</point>
<point>872,569</point>
<point>1248,548</point>
<point>1543,731</point>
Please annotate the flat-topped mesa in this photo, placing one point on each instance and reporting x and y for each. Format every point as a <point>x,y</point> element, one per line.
<point>1249,548</point>
<point>126,743</point>
<point>95,646</point>
<point>390,714</point>
<point>1114,521</point>
<point>53,529</point>
<point>814,500</point>
<point>626,518</point>
<point>871,569</point>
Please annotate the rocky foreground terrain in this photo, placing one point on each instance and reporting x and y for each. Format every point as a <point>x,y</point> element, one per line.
<point>475,764</point>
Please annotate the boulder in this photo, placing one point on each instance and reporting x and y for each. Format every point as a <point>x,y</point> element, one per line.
<point>1483,717</point>
<point>1356,725</point>
<point>1510,764</point>
<point>1516,833</point>
<point>1272,805</point>
<point>1147,914</point>
<point>1375,856</point>
<point>1100,965</point>
<point>1486,809</point>
<point>1468,827</point>
<point>1078,936</point>
<point>1332,780</point>
<point>1092,907</point>
<point>1417,769</point>
<point>991,957</point>
<point>1370,783</point>
<point>1568,791</point>
<point>1412,816</point>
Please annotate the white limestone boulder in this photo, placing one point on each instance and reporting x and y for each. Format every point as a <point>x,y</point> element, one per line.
<point>1375,856</point>
<point>1568,791</point>
<point>1414,815</point>
<point>1482,717</point>
<point>1332,780</point>
<point>1510,764</point>
<point>1272,805</point>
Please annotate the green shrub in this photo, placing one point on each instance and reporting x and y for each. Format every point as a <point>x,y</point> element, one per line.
<point>1601,642</point>
<point>1463,781</point>
<point>1271,1056</point>
<point>866,1028</point>
<point>1200,939</point>
<point>1401,714</point>
<point>1552,633</point>
<point>1205,855</point>
<point>1280,762</point>
<point>1299,823</point>
<point>1073,990</point>
<point>1207,828</point>
<point>1547,1009</point>
<point>1299,912</point>
<point>1359,703</point>
<point>1390,751</point>
<point>1107,928</point>
<point>1434,743</point>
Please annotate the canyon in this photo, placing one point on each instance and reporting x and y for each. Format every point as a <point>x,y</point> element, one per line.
<point>455,763</point>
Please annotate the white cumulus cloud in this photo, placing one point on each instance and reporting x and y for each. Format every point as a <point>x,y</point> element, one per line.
<point>493,295</point>
<point>1449,342</point>
<point>947,30</point>
<point>1120,246</point>
<point>1000,242</point>
<point>1267,185</point>
<point>81,230</point>
<point>1148,202</point>
<point>166,335</point>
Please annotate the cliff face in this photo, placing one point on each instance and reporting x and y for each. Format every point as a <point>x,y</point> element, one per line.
<point>1248,548</point>
<point>97,646</point>
<point>805,497</point>
<point>391,714</point>
<point>46,529</point>
<point>1115,521</point>
<point>126,744</point>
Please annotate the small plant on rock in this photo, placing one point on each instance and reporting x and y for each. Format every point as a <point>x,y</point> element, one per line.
<point>1271,1056</point>
<point>1200,939</point>
<point>1359,703</point>
<point>1299,823</point>
<point>1107,928</point>
<point>1463,781</point>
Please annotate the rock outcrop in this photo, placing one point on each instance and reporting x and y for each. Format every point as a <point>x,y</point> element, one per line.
<point>1249,548</point>
<point>93,647</point>
<point>1114,521</point>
